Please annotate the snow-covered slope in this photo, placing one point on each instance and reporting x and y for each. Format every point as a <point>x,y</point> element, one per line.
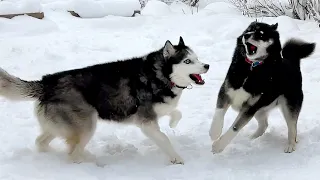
<point>30,48</point>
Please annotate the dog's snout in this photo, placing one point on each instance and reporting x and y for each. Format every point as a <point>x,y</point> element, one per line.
<point>247,36</point>
<point>206,66</point>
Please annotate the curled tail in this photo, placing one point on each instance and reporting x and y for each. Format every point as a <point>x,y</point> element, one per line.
<point>14,88</point>
<point>295,49</point>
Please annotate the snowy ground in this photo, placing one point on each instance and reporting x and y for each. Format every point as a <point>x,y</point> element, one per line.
<point>30,48</point>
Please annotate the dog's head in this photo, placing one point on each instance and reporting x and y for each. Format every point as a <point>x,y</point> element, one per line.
<point>186,67</point>
<point>259,39</point>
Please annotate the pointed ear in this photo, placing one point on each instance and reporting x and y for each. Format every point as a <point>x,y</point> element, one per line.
<point>274,26</point>
<point>168,50</point>
<point>181,42</point>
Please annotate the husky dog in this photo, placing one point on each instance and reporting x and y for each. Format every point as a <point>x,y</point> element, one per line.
<point>136,91</point>
<point>260,78</point>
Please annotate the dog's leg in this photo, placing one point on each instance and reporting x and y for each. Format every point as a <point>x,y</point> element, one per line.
<point>80,138</point>
<point>43,141</point>
<point>262,119</point>
<point>244,116</point>
<point>77,144</point>
<point>291,108</point>
<point>152,130</point>
<point>218,117</point>
<point>175,118</point>
<point>242,119</point>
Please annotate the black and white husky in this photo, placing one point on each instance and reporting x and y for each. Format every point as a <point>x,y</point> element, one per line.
<point>137,91</point>
<point>261,76</point>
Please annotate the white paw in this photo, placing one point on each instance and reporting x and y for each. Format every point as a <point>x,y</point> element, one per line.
<point>78,158</point>
<point>175,118</point>
<point>43,148</point>
<point>177,160</point>
<point>257,134</point>
<point>290,148</point>
<point>217,146</point>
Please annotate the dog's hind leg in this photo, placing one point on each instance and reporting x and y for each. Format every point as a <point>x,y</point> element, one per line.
<point>262,118</point>
<point>76,124</point>
<point>43,141</point>
<point>220,111</point>
<point>291,107</point>
<point>77,144</point>
<point>152,130</point>
<point>79,139</point>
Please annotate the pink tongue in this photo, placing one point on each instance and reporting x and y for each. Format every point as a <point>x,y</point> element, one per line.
<point>199,78</point>
<point>252,48</point>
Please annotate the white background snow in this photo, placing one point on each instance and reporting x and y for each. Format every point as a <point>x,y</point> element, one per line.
<point>30,48</point>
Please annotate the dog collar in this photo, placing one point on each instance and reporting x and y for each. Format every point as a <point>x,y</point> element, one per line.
<point>181,87</point>
<point>253,64</point>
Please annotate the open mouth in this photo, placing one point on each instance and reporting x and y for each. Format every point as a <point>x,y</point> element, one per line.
<point>197,79</point>
<point>252,49</point>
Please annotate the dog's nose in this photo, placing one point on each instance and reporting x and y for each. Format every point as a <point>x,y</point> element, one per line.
<point>247,36</point>
<point>206,66</point>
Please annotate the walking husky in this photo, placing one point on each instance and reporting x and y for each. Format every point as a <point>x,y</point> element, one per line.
<point>258,79</point>
<point>137,91</point>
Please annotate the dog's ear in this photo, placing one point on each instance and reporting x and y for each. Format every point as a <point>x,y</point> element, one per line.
<point>168,50</point>
<point>274,26</point>
<point>181,42</point>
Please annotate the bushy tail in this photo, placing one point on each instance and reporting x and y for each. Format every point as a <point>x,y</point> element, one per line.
<point>14,88</point>
<point>295,49</point>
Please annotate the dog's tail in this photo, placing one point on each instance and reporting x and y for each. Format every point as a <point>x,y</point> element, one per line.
<point>295,49</point>
<point>16,89</point>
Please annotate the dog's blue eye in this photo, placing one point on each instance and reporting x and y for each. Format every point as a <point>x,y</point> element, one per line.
<point>187,61</point>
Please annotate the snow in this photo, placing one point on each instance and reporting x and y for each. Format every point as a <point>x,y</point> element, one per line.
<point>156,8</point>
<point>30,48</point>
<point>95,8</point>
<point>286,24</point>
<point>221,8</point>
<point>19,6</point>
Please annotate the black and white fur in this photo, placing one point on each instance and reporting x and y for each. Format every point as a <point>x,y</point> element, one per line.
<point>254,91</point>
<point>136,91</point>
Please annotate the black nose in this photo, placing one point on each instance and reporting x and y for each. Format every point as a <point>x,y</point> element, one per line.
<point>247,36</point>
<point>206,66</point>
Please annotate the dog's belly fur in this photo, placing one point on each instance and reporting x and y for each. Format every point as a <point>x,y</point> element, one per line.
<point>239,97</point>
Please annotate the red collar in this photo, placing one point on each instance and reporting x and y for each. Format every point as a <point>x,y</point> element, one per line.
<point>253,64</point>
<point>174,85</point>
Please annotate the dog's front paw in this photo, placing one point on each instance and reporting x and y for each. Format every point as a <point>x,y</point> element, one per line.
<point>217,147</point>
<point>290,148</point>
<point>177,160</point>
<point>175,118</point>
<point>256,135</point>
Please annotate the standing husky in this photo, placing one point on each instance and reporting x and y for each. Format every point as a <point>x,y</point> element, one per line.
<point>260,78</point>
<point>137,91</point>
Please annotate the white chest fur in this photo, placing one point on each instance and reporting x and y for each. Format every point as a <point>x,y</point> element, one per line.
<point>169,105</point>
<point>238,97</point>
